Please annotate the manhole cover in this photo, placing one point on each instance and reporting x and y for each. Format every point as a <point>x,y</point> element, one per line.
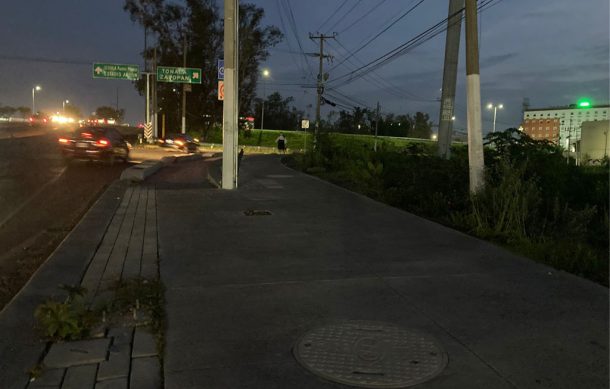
<point>371,354</point>
<point>257,212</point>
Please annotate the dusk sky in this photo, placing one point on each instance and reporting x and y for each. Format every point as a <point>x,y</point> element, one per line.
<point>551,51</point>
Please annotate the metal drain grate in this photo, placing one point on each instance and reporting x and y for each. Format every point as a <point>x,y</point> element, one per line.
<point>371,354</point>
<point>257,212</point>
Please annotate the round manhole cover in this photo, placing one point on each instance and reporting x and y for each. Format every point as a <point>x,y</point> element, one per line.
<point>371,354</point>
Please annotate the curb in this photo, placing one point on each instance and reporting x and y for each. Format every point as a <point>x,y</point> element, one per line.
<point>147,168</point>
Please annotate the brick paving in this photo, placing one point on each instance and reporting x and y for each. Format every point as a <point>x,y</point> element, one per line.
<point>125,354</point>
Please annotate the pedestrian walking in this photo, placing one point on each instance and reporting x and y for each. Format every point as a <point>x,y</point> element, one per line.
<point>281,143</point>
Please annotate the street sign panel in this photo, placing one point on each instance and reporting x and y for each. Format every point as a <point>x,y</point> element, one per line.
<point>305,124</point>
<point>148,132</point>
<point>116,71</point>
<point>221,90</point>
<point>221,69</point>
<point>179,75</point>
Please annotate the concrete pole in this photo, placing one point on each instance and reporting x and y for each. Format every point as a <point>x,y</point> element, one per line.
<point>376,128</point>
<point>263,104</point>
<point>320,90</point>
<point>184,90</point>
<point>33,101</point>
<point>495,111</point>
<point>475,137</point>
<point>452,49</point>
<point>154,95</point>
<point>147,97</point>
<point>231,101</point>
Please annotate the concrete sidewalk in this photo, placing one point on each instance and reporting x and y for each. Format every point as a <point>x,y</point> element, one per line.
<point>243,287</point>
<point>288,265</point>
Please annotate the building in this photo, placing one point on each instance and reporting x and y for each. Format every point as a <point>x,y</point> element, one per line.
<point>539,129</point>
<point>570,121</point>
<point>594,144</point>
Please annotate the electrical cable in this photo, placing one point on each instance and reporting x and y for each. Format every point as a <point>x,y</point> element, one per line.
<point>382,31</point>
<point>339,20</point>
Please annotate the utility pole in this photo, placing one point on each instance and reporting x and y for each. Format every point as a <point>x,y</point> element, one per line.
<point>452,49</point>
<point>154,95</point>
<point>376,128</point>
<point>231,101</point>
<point>117,99</point>
<point>473,80</point>
<point>321,78</point>
<point>184,89</point>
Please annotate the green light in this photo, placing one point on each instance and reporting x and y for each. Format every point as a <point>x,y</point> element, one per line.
<point>584,103</point>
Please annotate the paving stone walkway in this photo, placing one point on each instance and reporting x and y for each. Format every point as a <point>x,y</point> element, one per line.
<point>120,355</point>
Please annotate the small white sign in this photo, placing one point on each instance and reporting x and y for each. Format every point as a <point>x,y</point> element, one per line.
<point>305,124</point>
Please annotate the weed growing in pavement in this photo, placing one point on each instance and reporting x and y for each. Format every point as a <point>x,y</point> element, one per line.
<point>69,319</point>
<point>140,301</point>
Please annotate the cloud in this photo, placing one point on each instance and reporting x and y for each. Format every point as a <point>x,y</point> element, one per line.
<point>496,59</point>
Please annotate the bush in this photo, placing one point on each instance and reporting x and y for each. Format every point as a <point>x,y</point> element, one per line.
<point>533,201</point>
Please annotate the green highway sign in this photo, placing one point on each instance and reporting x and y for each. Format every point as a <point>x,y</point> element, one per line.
<point>180,75</point>
<point>116,71</point>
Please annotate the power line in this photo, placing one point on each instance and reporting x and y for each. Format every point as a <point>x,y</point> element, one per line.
<point>382,31</point>
<point>414,42</point>
<point>367,13</point>
<point>333,14</point>
<point>48,60</point>
<point>339,20</point>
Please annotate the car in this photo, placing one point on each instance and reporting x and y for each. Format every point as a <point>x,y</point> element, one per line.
<point>183,142</point>
<point>103,144</point>
<point>39,120</point>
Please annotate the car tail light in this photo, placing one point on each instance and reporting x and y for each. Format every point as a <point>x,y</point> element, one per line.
<point>161,141</point>
<point>87,135</point>
<point>31,119</point>
<point>63,140</point>
<point>102,143</point>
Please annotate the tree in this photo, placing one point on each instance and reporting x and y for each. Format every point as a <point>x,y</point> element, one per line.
<point>421,126</point>
<point>279,114</point>
<point>199,23</point>
<point>106,112</point>
<point>7,111</point>
<point>24,111</point>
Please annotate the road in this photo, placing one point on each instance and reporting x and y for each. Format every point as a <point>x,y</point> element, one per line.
<point>41,199</point>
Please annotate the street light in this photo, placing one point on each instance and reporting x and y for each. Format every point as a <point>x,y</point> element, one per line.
<point>495,108</point>
<point>34,90</point>
<point>266,74</point>
<point>63,105</point>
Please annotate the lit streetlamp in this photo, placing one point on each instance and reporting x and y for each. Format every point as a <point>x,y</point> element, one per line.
<point>495,108</point>
<point>63,105</point>
<point>34,90</point>
<point>266,74</point>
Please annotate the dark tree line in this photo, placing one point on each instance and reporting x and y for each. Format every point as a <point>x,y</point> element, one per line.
<point>198,26</point>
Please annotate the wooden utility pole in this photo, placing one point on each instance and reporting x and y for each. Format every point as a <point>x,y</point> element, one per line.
<point>452,49</point>
<point>231,101</point>
<point>473,93</point>
<point>321,79</point>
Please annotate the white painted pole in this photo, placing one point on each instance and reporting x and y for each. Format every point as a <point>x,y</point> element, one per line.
<point>231,100</point>
<point>475,137</point>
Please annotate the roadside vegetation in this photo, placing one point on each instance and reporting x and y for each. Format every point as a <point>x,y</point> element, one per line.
<point>535,203</point>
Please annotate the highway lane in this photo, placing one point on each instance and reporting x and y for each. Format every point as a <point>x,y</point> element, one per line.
<point>41,199</point>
